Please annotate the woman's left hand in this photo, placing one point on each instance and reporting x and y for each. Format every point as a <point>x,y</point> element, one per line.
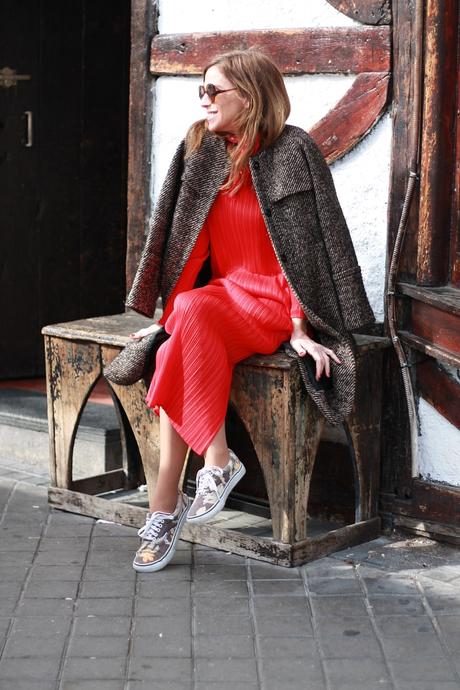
<point>303,344</point>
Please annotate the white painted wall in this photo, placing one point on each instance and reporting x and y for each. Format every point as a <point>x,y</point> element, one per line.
<point>439,446</point>
<point>361,177</point>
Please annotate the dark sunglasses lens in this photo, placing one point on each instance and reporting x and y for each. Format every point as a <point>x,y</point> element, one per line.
<point>209,89</point>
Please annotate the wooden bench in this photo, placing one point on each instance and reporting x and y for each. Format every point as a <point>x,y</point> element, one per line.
<point>284,425</point>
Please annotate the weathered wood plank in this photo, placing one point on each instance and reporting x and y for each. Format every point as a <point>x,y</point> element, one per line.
<point>143,24</point>
<point>108,330</point>
<point>363,425</point>
<point>365,11</point>
<point>440,502</point>
<point>259,401</point>
<point>440,390</point>
<point>317,547</point>
<point>108,481</point>
<point>426,346</point>
<point>428,528</point>
<point>260,548</point>
<point>436,326</point>
<point>353,116</point>
<point>446,297</point>
<point>97,507</point>
<point>404,42</point>
<point>73,369</point>
<point>51,385</point>
<point>437,159</point>
<point>455,216</point>
<point>296,51</point>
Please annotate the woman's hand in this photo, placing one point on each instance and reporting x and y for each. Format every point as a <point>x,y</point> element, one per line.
<point>302,343</point>
<point>145,331</point>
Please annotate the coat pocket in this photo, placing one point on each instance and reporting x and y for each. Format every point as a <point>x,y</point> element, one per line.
<point>288,185</point>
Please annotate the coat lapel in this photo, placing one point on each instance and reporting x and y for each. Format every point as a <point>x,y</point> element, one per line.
<point>204,173</point>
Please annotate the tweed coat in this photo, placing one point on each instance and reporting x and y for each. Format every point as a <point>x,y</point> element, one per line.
<point>307,229</point>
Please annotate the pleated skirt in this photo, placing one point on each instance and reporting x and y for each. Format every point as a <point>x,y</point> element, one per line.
<point>211,329</point>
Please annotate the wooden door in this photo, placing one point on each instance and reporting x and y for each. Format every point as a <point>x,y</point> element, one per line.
<point>63,169</point>
<point>18,187</point>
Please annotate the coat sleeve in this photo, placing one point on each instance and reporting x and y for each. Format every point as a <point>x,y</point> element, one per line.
<point>345,270</point>
<point>146,285</point>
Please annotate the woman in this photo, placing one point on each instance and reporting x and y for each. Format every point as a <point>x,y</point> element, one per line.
<point>249,249</point>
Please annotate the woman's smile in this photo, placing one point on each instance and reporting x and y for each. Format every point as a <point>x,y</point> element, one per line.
<point>222,115</point>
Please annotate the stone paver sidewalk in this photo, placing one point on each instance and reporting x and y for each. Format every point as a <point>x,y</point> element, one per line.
<point>75,616</point>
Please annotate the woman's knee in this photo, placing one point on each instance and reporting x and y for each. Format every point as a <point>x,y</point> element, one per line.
<point>193,303</point>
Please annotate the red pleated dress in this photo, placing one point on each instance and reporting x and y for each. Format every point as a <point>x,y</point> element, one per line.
<point>246,308</point>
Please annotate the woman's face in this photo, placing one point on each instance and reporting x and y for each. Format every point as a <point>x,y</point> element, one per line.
<point>222,114</point>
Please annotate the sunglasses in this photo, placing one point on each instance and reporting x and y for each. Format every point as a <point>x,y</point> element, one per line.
<point>211,91</point>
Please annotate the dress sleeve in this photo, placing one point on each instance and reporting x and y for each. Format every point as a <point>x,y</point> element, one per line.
<point>200,253</point>
<point>296,309</point>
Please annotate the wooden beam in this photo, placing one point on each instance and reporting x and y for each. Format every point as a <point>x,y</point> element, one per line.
<point>426,346</point>
<point>446,297</point>
<point>404,41</point>
<point>436,326</point>
<point>427,528</point>
<point>353,116</point>
<point>437,501</point>
<point>433,510</point>
<point>108,481</point>
<point>296,51</point>
<point>440,390</point>
<point>437,160</point>
<point>143,22</point>
<point>365,11</point>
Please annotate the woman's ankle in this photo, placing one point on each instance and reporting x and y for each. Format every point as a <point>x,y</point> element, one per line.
<point>164,504</point>
<point>218,458</point>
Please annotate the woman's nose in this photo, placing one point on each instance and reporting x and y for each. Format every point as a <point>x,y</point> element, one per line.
<point>205,100</point>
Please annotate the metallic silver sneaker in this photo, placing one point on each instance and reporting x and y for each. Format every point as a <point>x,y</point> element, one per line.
<point>159,537</point>
<point>213,485</point>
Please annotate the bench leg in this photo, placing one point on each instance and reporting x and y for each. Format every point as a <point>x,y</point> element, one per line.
<point>143,421</point>
<point>72,369</point>
<point>364,429</point>
<point>285,430</point>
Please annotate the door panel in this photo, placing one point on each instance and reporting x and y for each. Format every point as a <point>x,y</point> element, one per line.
<point>63,199</point>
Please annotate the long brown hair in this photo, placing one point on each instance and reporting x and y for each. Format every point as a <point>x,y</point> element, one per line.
<point>258,80</point>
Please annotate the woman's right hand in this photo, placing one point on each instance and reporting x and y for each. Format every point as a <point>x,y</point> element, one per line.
<point>141,333</point>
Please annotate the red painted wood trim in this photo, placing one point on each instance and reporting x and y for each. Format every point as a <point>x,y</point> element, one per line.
<point>353,116</point>
<point>440,390</point>
<point>296,51</point>
<point>365,11</point>
<point>436,326</point>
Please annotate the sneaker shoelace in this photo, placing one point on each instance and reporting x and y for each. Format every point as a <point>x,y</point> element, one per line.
<point>206,481</point>
<point>142,530</point>
<point>152,528</point>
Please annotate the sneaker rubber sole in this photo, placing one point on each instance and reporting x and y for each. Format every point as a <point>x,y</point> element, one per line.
<point>204,517</point>
<point>158,565</point>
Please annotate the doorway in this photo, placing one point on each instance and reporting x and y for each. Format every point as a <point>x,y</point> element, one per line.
<point>64,86</point>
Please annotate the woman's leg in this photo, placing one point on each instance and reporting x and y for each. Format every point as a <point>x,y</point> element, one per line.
<point>173,450</point>
<point>217,451</point>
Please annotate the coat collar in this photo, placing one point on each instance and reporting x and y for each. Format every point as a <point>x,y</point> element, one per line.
<point>208,166</point>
